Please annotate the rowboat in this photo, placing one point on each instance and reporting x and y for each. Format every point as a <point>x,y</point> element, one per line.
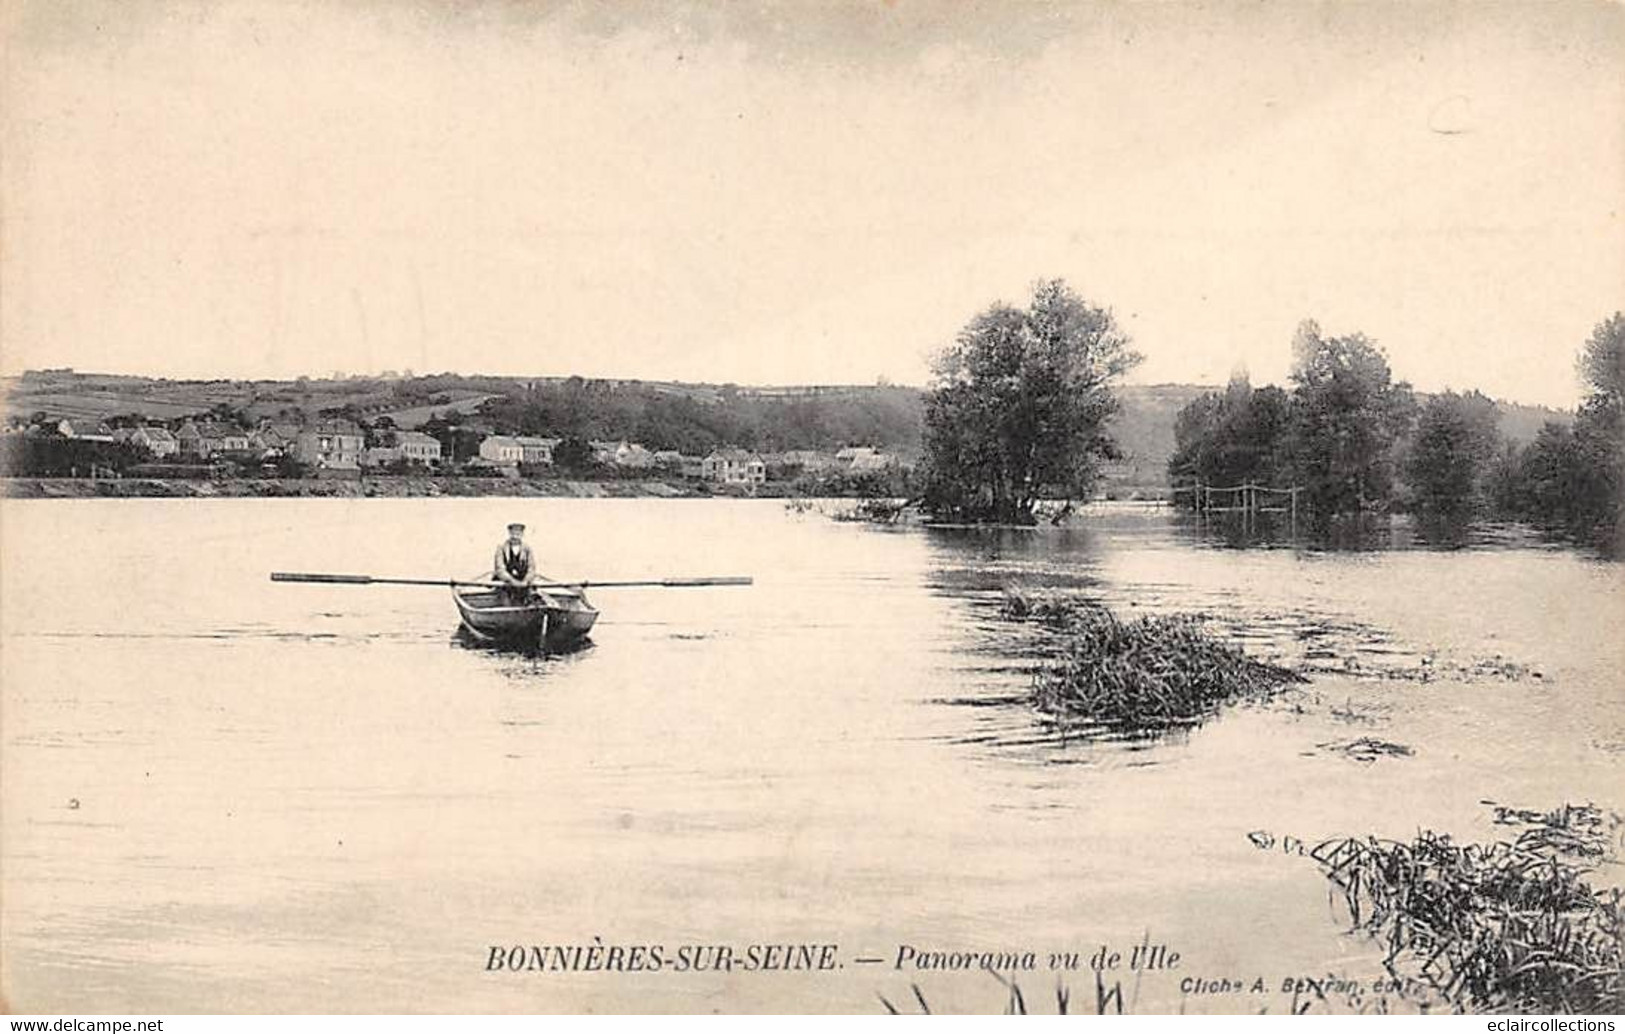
<point>553,619</point>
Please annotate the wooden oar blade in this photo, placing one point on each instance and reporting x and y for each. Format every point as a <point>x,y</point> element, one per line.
<point>662,583</point>
<point>367,579</point>
<point>333,579</point>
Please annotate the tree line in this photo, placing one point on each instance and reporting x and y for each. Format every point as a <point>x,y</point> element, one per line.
<point>1021,403</point>
<point>581,409</point>
<point>1354,440</point>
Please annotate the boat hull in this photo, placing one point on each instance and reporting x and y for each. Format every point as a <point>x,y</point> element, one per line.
<point>549,621</point>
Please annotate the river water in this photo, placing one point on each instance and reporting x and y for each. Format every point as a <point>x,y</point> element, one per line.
<point>222,794</point>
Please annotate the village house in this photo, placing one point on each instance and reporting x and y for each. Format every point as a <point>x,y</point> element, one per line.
<point>379,456</point>
<point>85,430</point>
<point>417,447</point>
<point>734,467</point>
<point>537,451</point>
<point>158,441</point>
<point>621,454</point>
<point>502,450</point>
<point>210,439</point>
<point>809,460</point>
<point>330,445</point>
<point>273,439</point>
<point>860,459</point>
<point>670,459</point>
<point>691,466</point>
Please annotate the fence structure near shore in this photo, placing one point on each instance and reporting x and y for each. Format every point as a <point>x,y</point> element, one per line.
<point>1247,499</point>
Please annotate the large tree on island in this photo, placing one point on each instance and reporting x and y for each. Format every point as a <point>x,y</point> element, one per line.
<point>1019,405</point>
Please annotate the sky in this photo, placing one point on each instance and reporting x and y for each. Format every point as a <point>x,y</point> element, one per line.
<point>804,192</point>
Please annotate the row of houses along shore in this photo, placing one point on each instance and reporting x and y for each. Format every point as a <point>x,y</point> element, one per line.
<point>342,448</point>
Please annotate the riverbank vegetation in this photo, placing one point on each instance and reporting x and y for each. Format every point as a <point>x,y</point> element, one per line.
<point>1355,441</point>
<point>1509,926</point>
<point>1146,675</point>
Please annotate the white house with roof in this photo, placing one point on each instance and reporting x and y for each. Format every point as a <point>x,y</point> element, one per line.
<point>273,439</point>
<point>158,441</point>
<point>734,467</point>
<point>85,430</point>
<point>502,450</point>
<point>861,459</point>
<point>417,447</point>
<point>810,460</point>
<point>635,455</point>
<point>331,445</point>
<point>622,454</point>
<point>208,439</point>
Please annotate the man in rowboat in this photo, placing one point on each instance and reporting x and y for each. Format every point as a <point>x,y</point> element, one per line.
<point>514,566</point>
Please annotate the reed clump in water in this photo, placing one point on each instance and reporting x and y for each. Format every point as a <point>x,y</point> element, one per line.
<point>1057,612</point>
<point>1577,830</point>
<point>873,511</point>
<point>1499,927</point>
<point>1150,673</point>
<point>1366,749</point>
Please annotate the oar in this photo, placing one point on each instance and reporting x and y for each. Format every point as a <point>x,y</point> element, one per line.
<point>659,583</point>
<point>367,579</point>
<point>652,583</point>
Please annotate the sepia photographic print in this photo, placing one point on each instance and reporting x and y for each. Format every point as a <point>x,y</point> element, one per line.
<point>787,506</point>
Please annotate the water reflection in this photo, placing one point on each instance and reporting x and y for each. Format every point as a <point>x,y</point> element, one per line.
<point>522,647</point>
<point>1353,533</point>
<point>1273,620</point>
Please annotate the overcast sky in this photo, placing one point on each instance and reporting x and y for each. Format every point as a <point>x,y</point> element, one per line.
<point>805,192</point>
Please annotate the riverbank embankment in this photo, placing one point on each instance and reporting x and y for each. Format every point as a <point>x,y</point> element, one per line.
<point>369,487</point>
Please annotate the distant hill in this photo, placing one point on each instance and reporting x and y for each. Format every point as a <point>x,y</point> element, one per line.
<point>1520,423</point>
<point>1144,430</point>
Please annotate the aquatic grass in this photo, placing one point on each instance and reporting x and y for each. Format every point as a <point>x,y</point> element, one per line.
<point>1366,749</point>
<point>1495,927</point>
<point>1576,830</point>
<point>1055,611</point>
<point>1148,674</point>
<point>872,511</point>
<point>1107,1000</point>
